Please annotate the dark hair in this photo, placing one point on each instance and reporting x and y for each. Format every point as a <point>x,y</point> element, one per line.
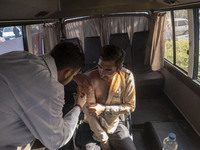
<point>113,53</point>
<point>67,55</point>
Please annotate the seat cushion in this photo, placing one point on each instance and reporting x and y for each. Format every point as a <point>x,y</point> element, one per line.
<point>147,78</point>
<point>149,84</point>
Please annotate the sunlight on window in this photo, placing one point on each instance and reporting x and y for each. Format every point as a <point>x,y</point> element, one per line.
<point>182,38</point>
<point>169,39</point>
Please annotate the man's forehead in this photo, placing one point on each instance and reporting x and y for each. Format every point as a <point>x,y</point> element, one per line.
<point>109,64</point>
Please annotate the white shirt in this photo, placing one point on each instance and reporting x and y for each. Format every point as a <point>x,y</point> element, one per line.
<point>31,102</point>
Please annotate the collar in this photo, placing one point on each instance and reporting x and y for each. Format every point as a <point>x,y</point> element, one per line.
<point>50,62</point>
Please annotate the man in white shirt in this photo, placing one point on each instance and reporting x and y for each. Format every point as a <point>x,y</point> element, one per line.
<point>32,97</point>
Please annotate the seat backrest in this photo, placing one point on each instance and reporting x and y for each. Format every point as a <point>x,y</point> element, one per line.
<point>74,41</point>
<point>139,44</point>
<point>122,40</point>
<point>92,46</point>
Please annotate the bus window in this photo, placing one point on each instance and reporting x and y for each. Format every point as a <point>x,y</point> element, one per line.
<point>182,39</point>
<point>11,39</point>
<point>169,38</point>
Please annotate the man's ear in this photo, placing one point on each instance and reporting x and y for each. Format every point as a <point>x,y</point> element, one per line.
<point>67,72</point>
<point>119,69</point>
<point>63,74</point>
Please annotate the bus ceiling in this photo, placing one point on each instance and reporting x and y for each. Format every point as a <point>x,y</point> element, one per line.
<point>30,11</point>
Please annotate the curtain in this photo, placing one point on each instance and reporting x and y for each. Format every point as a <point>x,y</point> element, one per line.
<point>74,29</point>
<point>83,28</point>
<point>123,24</point>
<point>103,26</point>
<point>156,42</point>
<point>51,36</point>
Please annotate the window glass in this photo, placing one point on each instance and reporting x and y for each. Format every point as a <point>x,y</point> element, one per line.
<point>182,39</point>
<point>169,39</point>
<point>11,39</point>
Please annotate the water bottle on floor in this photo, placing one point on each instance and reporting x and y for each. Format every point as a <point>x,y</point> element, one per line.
<point>170,143</point>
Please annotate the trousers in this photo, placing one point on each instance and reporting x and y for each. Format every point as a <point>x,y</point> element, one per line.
<point>119,140</point>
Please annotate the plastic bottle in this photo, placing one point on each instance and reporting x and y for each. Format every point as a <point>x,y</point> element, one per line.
<point>170,143</point>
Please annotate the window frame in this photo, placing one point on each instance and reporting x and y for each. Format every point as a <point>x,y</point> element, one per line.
<point>194,47</point>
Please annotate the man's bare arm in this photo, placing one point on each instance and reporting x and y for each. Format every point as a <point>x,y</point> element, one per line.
<point>83,83</point>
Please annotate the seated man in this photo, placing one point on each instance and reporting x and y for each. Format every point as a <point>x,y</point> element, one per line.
<point>112,96</point>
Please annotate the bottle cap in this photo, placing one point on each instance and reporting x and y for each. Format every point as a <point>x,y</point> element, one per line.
<point>172,136</point>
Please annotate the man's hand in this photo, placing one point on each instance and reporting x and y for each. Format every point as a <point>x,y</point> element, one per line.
<point>95,109</point>
<point>81,99</point>
<point>105,145</point>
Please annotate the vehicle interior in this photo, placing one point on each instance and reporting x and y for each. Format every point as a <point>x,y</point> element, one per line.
<point>165,63</point>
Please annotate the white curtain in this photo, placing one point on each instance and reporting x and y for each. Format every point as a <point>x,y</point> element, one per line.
<point>51,36</point>
<point>74,29</point>
<point>156,42</point>
<point>123,24</point>
<point>105,25</point>
<point>83,28</point>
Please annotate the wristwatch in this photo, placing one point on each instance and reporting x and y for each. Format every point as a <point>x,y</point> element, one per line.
<point>107,110</point>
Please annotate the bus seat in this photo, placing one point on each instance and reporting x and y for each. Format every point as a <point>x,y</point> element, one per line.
<point>70,88</point>
<point>149,84</point>
<point>139,44</point>
<point>92,46</point>
<point>74,41</point>
<point>122,40</point>
<point>186,136</point>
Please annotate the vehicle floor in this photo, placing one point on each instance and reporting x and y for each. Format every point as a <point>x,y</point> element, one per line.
<point>153,119</point>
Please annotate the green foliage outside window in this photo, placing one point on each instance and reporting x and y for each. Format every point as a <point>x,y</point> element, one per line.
<point>169,50</point>
<point>182,58</point>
